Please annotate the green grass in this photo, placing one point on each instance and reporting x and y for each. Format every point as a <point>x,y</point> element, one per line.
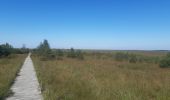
<point>102,79</point>
<point>9,67</point>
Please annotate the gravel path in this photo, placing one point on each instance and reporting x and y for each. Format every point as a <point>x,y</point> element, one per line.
<point>26,86</point>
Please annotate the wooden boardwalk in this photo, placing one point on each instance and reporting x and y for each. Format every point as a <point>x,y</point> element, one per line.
<point>26,86</point>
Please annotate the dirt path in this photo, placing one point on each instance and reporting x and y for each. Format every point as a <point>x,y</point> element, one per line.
<point>26,86</point>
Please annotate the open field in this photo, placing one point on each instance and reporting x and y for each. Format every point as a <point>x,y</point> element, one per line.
<point>102,78</point>
<point>9,66</point>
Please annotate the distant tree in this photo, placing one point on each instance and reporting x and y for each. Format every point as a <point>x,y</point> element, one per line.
<point>5,50</point>
<point>39,50</point>
<point>24,49</point>
<point>23,46</point>
<point>44,50</point>
<point>71,53</point>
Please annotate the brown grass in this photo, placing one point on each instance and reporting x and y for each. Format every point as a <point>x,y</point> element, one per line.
<point>102,79</point>
<point>8,70</point>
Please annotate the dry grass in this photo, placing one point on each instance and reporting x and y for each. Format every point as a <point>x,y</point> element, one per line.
<point>102,79</point>
<point>8,71</point>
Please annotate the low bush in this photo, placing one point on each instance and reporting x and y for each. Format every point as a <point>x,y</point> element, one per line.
<point>165,62</point>
<point>75,54</point>
<point>59,53</point>
<point>133,58</point>
<point>71,53</point>
<point>79,55</point>
<point>120,56</point>
<point>5,50</point>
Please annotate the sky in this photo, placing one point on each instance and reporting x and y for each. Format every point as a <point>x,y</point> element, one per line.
<point>87,24</point>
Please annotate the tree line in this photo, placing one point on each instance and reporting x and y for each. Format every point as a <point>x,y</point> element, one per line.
<point>7,49</point>
<point>45,52</point>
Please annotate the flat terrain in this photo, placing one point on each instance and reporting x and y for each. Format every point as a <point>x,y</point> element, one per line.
<point>9,66</point>
<point>26,86</point>
<point>102,78</point>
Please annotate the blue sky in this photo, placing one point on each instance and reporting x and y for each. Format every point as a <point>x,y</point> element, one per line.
<point>87,24</point>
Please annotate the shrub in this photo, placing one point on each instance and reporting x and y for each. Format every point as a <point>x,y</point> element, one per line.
<point>165,62</point>
<point>79,55</point>
<point>75,54</point>
<point>51,55</point>
<point>133,58</point>
<point>120,56</point>
<point>5,50</point>
<point>59,53</point>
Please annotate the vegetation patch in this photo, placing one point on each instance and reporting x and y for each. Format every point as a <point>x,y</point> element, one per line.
<point>165,62</point>
<point>100,77</point>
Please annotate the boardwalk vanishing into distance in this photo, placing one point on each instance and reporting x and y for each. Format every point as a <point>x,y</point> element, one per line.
<point>26,86</point>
